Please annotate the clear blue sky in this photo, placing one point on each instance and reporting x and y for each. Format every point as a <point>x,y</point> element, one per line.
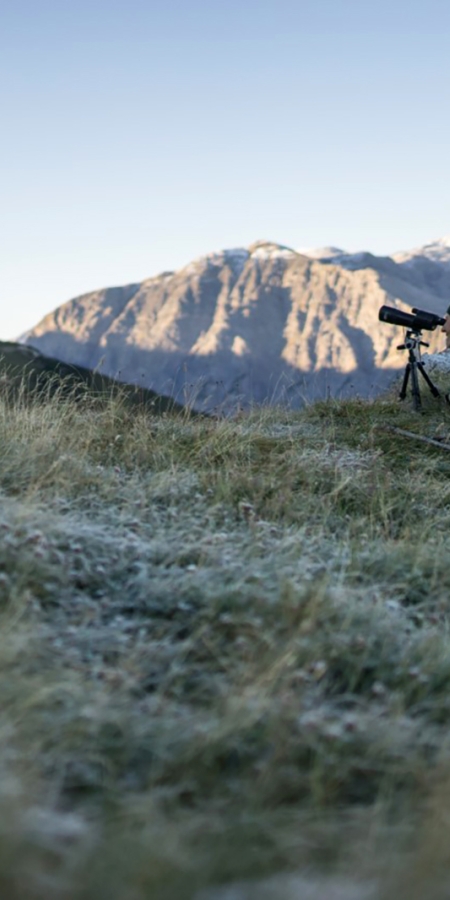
<point>137,135</point>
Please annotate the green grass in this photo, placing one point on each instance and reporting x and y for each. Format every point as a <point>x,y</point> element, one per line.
<point>225,650</point>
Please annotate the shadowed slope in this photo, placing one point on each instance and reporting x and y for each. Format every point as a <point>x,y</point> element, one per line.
<point>25,370</point>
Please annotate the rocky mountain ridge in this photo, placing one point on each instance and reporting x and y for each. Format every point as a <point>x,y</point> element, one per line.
<point>252,325</point>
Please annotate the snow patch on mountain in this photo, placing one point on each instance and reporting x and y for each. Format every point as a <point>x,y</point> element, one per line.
<point>336,257</point>
<point>236,257</point>
<point>322,253</point>
<point>271,250</point>
<point>437,251</point>
<point>272,253</point>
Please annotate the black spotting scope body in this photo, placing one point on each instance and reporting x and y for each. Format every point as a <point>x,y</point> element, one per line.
<point>418,320</point>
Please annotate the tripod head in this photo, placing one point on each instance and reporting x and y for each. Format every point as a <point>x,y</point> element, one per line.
<point>413,342</point>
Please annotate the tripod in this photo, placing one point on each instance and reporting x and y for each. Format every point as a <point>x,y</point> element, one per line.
<point>413,343</point>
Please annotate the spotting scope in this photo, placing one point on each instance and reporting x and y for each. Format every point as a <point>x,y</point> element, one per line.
<point>417,320</point>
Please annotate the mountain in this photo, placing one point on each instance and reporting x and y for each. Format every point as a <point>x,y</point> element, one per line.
<point>436,251</point>
<point>429,266</point>
<point>258,324</point>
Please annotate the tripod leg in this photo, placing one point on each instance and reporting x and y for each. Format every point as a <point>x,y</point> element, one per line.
<point>404,386</point>
<point>415,390</point>
<point>433,388</point>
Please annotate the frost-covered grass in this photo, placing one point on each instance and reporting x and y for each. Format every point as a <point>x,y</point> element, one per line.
<point>225,651</point>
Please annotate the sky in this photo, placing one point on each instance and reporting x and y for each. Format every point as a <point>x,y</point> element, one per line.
<point>139,135</point>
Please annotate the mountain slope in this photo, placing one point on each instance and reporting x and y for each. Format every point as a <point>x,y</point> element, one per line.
<point>247,325</point>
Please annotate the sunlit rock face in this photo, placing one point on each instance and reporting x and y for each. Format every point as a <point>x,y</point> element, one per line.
<point>251,325</point>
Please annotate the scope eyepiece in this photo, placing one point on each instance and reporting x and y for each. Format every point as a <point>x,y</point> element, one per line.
<point>432,318</point>
<point>418,320</point>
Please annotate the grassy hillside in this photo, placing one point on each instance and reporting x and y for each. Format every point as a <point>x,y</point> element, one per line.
<point>225,652</point>
<point>24,371</point>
